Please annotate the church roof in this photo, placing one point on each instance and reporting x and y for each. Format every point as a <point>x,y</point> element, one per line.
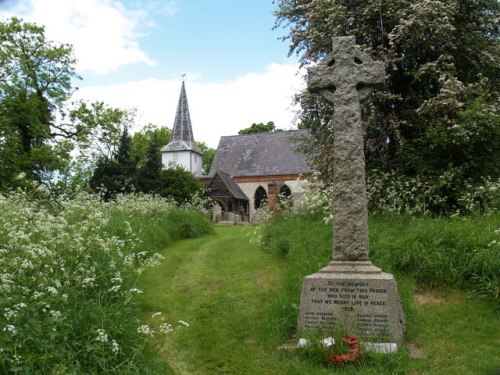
<point>182,134</point>
<point>229,183</point>
<point>261,154</point>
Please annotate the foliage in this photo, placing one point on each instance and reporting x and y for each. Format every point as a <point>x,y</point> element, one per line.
<point>438,114</point>
<point>37,130</point>
<point>445,194</point>
<point>141,142</point>
<point>208,156</point>
<point>391,193</point>
<point>149,174</point>
<point>260,128</point>
<point>35,79</point>
<point>179,184</point>
<point>118,175</point>
<point>68,281</point>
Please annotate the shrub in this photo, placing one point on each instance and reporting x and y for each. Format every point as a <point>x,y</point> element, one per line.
<point>444,194</point>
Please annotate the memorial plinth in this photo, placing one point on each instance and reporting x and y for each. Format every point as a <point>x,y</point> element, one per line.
<point>350,293</point>
<point>355,297</point>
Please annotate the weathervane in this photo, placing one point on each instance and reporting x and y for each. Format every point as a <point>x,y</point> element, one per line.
<point>183,75</point>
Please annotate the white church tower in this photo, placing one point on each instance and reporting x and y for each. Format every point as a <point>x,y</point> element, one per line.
<point>182,150</point>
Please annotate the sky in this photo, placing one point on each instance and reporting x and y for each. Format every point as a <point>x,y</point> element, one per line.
<point>132,54</point>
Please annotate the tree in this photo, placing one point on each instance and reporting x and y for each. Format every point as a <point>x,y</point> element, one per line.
<point>179,184</point>
<point>116,175</point>
<point>149,174</point>
<point>438,113</point>
<point>259,128</point>
<point>35,80</point>
<point>208,156</point>
<point>37,132</point>
<point>141,142</point>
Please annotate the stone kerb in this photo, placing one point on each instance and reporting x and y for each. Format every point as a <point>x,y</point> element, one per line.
<point>350,293</point>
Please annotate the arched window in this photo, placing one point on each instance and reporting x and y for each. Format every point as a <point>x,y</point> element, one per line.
<point>285,195</point>
<point>260,197</point>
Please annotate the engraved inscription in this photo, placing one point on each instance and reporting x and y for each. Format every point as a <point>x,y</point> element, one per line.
<point>363,303</point>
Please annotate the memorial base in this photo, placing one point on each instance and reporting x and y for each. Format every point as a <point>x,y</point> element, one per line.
<point>355,298</point>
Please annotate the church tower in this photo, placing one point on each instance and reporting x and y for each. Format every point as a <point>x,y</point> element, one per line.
<point>182,150</point>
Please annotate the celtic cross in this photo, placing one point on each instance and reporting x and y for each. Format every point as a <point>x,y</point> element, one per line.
<point>345,77</point>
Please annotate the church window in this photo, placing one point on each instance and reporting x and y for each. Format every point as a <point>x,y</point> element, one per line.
<point>260,197</point>
<point>285,195</point>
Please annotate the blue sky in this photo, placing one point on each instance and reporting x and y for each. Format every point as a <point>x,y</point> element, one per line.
<point>131,54</point>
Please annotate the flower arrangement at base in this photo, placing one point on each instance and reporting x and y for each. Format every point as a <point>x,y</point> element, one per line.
<point>355,351</point>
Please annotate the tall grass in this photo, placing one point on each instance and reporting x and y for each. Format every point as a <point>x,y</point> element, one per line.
<point>454,252</point>
<point>68,281</point>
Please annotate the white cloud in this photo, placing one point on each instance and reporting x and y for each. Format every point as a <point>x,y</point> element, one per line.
<point>216,109</point>
<point>104,33</point>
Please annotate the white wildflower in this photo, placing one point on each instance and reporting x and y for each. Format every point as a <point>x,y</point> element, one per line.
<point>52,290</point>
<point>166,328</point>
<point>8,313</point>
<point>101,336</point>
<point>10,328</point>
<point>145,329</point>
<point>114,288</point>
<point>135,290</point>
<point>56,315</point>
<point>115,347</point>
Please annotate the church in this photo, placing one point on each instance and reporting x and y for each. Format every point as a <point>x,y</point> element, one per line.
<point>248,171</point>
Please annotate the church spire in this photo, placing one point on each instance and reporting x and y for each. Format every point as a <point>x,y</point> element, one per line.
<point>182,133</point>
<point>182,126</point>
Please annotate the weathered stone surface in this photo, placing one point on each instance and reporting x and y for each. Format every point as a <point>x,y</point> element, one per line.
<point>337,78</point>
<point>364,303</point>
<point>350,294</point>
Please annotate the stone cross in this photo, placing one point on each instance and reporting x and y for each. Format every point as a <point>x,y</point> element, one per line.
<point>345,77</point>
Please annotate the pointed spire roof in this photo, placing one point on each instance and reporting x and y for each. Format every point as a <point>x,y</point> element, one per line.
<point>182,134</point>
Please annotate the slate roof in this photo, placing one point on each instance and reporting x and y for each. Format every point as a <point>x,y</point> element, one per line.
<point>182,133</point>
<point>232,186</point>
<point>261,154</point>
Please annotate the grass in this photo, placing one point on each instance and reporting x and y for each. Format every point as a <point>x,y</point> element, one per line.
<point>240,303</point>
<point>220,285</point>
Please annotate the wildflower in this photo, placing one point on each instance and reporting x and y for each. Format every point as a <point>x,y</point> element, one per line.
<point>166,328</point>
<point>114,288</point>
<point>101,336</point>
<point>10,328</point>
<point>8,313</point>
<point>56,315</point>
<point>145,329</point>
<point>115,347</point>
<point>135,290</point>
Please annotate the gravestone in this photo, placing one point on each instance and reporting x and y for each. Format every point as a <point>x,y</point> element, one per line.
<point>216,213</point>
<point>350,293</point>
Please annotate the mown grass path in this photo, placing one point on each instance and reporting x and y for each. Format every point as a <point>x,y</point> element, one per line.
<point>220,285</point>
